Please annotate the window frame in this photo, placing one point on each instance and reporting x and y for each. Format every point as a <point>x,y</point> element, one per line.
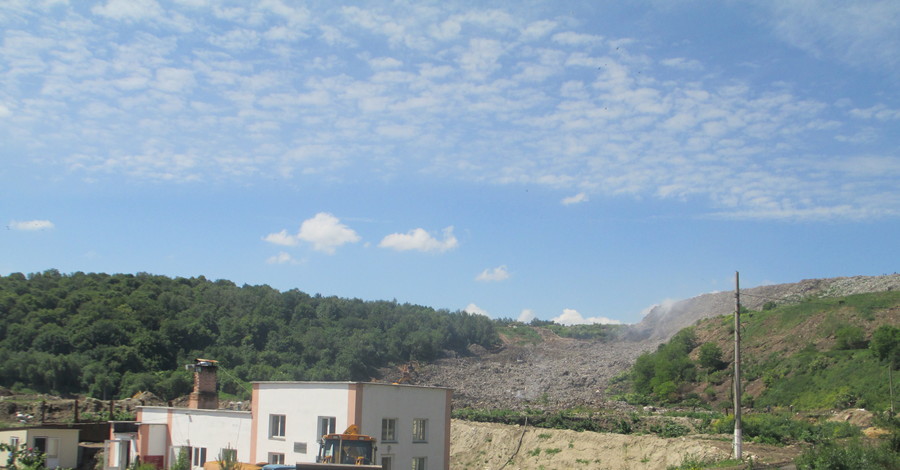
<point>276,458</point>
<point>198,457</point>
<point>419,463</point>
<point>420,430</point>
<point>325,425</point>
<point>277,426</point>
<point>50,446</point>
<point>389,425</point>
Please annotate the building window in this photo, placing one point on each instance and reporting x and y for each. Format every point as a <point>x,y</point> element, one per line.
<point>49,446</point>
<point>199,456</point>
<point>14,442</point>
<point>389,430</point>
<point>418,463</point>
<point>326,426</point>
<point>420,430</point>
<point>276,425</point>
<point>387,462</point>
<point>276,458</point>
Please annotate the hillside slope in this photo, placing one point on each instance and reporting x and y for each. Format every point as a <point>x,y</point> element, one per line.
<point>559,373</point>
<point>664,321</point>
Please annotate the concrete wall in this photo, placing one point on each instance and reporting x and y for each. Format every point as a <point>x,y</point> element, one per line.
<point>363,404</point>
<point>66,442</point>
<point>6,438</point>
<point>406,403</point>
<point>302,403</point>
<point>214,430</point>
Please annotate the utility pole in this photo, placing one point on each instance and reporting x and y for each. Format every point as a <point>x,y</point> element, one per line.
<point>737,367</point>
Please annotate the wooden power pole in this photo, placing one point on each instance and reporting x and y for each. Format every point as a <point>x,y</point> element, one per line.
<point>737,367</point>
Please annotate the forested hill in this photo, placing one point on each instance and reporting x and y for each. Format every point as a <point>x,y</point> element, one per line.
<point>113,335</point>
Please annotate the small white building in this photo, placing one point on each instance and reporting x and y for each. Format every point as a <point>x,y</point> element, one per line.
<point>58,443</point>
<point>287,419</point>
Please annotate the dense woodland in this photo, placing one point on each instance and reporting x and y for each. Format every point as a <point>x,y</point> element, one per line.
<point>113,335</point>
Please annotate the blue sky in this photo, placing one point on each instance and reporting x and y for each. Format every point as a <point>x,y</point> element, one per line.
<point>575,161</point>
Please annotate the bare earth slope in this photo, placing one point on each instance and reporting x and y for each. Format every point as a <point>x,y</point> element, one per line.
<point>496,446</point>
<point>561,373</point>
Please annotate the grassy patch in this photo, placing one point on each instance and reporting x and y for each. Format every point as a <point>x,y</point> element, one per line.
<point>782,429</point>
<point>520,334</point>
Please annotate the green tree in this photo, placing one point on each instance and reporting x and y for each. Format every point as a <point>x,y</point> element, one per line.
<point>710,357</point>
<point>885,344</point>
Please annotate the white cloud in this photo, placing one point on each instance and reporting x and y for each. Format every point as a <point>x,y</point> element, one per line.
<point>481,59</point>
<point>493,275</point>
<point>420,240</point>
<point>682,63</point>
<point>281,258</point>
<point>326,233</point>
<point>31,225</point>
<point>571,38</point>
<point>526,316</point>
<point>174,80</point>
<point>572,317</point>
<point>576,199</point>
<point>859,32</point>
<point>879,111</point>
<point>491,97</point>
<point>475,310</point>
<point>128,9</point>
<point>281,238</point>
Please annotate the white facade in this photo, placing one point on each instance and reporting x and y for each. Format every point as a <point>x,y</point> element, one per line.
<point>205,434</point>
<point>59,444</point>
<point>406,405</point>
<point>288,419</point>
<point>307,406</point>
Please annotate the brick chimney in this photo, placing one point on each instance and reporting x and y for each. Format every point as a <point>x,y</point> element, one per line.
<point>204,396</point>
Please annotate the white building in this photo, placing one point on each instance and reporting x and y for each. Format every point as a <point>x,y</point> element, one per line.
<point>58,443</point>
<point>411,424</point>
<point>287,419</point>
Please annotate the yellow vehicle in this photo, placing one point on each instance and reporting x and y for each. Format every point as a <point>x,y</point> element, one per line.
<point>349,448</point>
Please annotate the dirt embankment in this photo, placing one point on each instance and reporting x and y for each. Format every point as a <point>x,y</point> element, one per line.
<point>497,446</point>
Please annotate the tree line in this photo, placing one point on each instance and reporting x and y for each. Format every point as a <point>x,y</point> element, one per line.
<point>110,336</point>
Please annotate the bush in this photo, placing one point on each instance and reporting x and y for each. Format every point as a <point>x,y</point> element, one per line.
<point>850,337</point>
<point>710,357</point>
<point>850,456</point>
<point>670,429</point>
<point>782,429</point>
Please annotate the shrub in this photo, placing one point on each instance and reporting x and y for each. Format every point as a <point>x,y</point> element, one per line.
<point>848,455</point>
<point>710,357</point>
<point>850,337</point>
<point>783,429</point>
<point>670,429</point>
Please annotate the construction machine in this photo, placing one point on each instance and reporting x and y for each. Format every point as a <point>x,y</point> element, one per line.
<point>348,449</point>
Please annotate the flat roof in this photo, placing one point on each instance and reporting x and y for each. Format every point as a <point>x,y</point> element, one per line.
<point>321,382</point>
